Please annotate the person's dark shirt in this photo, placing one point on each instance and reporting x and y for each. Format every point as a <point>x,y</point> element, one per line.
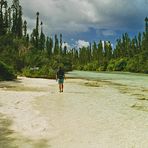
<point>60,74</point>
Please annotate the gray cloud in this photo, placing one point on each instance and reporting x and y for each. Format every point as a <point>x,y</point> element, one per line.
<point>70,16</point>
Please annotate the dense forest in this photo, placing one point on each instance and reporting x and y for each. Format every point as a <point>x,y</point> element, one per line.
<point>37,55</point>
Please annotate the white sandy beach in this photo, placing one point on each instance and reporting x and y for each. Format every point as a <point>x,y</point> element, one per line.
<point>86,115</point>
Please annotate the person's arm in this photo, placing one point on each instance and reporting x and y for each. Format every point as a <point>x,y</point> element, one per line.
<point>56,76</point>
<point>64,76</point>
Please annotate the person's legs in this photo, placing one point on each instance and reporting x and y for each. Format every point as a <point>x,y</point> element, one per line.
<point>62,87</point>
<point>59,87</point>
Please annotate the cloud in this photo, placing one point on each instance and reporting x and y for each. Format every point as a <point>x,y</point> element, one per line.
<point>74,16</point>
<point>106,32</point>
<point>78,15</point>
<point>81,43</point>
<point>67,45</point>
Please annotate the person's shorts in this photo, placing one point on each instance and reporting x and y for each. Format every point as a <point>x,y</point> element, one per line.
<point>61,81</point>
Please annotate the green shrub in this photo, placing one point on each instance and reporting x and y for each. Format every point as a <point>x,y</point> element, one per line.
<point>111,65</point>
<point>79,67</point>
<point>92,66</point>
<point>6,73</point>
<point>120,65</point>
<point>36,72</point>
<point>132,66</point>
<point>139,63</point>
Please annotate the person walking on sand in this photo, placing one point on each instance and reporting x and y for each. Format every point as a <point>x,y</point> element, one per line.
<point>60,77</point>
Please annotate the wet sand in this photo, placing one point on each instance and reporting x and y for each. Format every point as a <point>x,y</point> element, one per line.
<point>88,114</point>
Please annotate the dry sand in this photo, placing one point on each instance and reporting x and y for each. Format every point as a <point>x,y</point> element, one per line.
<point>87,114</point>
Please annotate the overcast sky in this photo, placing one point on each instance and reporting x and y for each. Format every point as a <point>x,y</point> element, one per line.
<point>87,20</point>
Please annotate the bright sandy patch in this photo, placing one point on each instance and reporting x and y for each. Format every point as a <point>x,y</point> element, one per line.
<point>87,115</point>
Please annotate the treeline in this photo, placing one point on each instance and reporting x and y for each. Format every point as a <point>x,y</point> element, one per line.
<point>129,54</point>
<point>37,55</point>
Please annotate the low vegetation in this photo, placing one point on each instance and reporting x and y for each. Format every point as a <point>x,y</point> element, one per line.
<point>6,73</point>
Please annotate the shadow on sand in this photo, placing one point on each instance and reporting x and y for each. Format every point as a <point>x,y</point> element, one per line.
<point>5,133</point>
<point>7,140</point>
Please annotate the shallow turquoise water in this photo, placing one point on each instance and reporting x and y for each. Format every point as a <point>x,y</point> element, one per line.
<point>126,78</point>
